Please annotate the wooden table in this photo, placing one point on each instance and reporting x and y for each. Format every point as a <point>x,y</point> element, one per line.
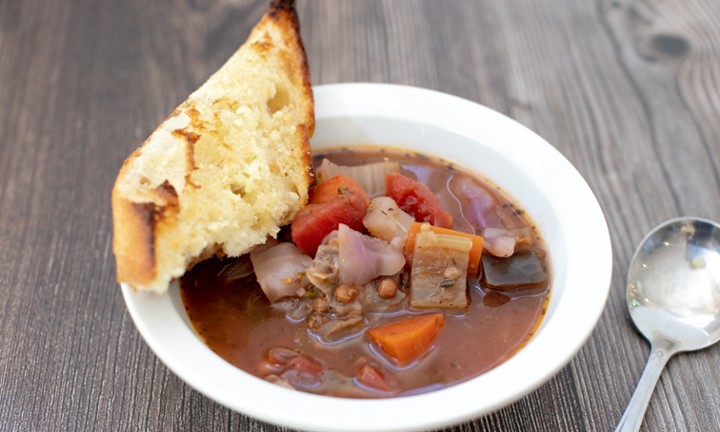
<point>628,91</point>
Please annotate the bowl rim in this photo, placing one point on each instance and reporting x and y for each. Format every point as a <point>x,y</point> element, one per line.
<point>175,344</point>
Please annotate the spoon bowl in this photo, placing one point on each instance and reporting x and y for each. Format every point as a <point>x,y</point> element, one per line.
<point>673,296</point>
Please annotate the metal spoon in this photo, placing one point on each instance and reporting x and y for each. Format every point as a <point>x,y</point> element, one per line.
<point>673,294</point>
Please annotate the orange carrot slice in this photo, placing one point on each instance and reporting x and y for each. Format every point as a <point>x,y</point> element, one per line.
<point>409,338</point>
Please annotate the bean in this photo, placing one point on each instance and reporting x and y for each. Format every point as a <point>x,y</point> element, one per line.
<point>452,272</point>
<point>345,293</point>
<point>387,288</point>
<point>280,355</point>
<point>320,305</point>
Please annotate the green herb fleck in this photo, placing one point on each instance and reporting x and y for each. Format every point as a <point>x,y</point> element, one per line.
<point>311,292</point>
<point>446,283</point>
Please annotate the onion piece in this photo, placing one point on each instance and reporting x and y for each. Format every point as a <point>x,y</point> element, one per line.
<point>385,220</point>
<point>237,269</point>
<point>499,242</point>
<point>280,270</point>
<point>363,258</point>
<point>502,242</point>
<point>370,176</point>
<point>323,273</point>
<point>481,202</point>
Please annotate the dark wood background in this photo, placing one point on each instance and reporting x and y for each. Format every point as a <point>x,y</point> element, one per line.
<point>628,91</point>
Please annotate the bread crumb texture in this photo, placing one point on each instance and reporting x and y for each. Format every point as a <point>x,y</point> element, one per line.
<point>226,170</point>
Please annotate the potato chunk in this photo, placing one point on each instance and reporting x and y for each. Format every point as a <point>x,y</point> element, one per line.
<point>439,269</point>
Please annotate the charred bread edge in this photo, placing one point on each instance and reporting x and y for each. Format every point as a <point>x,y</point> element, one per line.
<point>135,248</point>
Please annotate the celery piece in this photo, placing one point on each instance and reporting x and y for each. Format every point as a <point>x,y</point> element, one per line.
<point>439,271</point>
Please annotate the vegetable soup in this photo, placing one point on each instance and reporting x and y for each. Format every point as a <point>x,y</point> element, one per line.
<point>404,274</point>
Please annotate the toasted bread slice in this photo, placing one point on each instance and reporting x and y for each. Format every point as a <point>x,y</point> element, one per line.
<point>227,169</point>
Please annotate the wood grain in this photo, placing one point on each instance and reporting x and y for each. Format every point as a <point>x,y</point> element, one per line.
<point>628,91</point>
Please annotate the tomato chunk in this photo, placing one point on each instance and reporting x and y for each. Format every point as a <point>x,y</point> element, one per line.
<point>373,378</point>
<point>334,186</point>
<point>306,364</point>
<point>417,199</point>
<point>342,201</point>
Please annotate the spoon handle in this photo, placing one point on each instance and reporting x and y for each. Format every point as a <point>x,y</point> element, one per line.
<point>660,353</point>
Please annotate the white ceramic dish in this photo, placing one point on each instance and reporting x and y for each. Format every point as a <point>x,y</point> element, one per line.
<point>545,184</point>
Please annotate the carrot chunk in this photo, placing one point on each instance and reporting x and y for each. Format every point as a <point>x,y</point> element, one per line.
<point>409,338</point>
<point>474,254</point>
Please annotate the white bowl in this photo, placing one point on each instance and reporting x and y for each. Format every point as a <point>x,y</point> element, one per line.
<point>537,176</point>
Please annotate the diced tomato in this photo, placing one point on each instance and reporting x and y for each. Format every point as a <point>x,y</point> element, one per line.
<point>373,378</point>
<point>303,372</point>
<point>338,185</point>
<point>306,364</point>
<point>343,202</point>
<point>417,199</point>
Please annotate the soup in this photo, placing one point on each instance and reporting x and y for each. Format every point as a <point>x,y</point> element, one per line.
<point>406,275</point>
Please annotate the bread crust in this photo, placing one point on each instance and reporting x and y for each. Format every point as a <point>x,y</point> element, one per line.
<point>145,218</point>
